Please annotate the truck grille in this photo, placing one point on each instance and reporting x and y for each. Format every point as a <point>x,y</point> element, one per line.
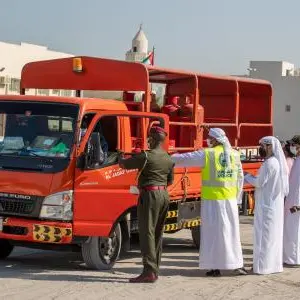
<point>20,205</point>
<point>16,206</point>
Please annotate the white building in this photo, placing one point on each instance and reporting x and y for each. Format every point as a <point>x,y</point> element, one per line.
<point>285,79</point>
<point>12,59</point>
<point>137,53</point>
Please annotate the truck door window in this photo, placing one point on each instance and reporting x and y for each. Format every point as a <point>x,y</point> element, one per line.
<point>86,121</point>
<point>101,148</point>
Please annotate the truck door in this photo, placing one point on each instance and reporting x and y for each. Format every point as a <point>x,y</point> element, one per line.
<point>101,187</point>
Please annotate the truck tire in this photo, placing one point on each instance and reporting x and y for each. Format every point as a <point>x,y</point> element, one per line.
<point>196,236</point>
<point>101,253</point>
<point>5,248</point>
<point>134,238</point>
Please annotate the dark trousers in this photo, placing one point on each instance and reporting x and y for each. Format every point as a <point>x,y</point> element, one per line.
<point>152,212</point>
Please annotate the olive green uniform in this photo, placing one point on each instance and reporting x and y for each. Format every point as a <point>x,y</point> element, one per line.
<point>153,204</point>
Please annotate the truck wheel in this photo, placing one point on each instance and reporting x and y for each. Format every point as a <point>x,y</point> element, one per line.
<point>101,253</point>
<point>196,236</point>
<point>5,248</point>
<point>134,238</point>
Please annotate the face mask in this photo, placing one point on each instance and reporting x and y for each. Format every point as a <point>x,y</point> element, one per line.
<point>293,150</point>
<point>209,143</point>
<point>262,152</point>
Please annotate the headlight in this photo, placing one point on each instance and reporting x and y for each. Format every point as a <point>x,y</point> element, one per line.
<point>58,206</point>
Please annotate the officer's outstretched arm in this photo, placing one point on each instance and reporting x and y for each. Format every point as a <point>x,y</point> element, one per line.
<point>132,163</point>
<point>190,159</point>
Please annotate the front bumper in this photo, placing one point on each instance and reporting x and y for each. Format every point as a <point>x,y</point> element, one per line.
<point>36,231</point>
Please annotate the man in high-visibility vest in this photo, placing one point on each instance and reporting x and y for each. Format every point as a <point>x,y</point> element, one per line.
<point>222,185</point>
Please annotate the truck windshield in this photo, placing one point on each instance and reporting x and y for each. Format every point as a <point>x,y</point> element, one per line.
<point>37,135</point>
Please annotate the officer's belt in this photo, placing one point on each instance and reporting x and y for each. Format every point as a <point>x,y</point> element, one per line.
<point>153,188</point>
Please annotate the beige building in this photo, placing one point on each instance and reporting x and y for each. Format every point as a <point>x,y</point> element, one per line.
<point>12,59</point>
<point>14,56</point>
<point>285,78</point>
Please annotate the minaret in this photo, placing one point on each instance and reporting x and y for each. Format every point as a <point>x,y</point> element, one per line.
<point>139,50</point>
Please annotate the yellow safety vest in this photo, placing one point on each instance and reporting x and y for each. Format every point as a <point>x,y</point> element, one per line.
<point>219,182</point>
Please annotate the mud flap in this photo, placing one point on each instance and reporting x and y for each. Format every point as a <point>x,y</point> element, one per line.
<point>188,211</point>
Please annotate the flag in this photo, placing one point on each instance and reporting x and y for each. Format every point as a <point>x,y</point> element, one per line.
<point>149,60</point>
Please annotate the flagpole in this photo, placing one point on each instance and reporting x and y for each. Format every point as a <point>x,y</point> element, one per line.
<point>152,63</point>
<point>153,56</point>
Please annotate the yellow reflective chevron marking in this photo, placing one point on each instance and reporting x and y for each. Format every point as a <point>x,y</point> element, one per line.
<point>172,214</point>
<point>171,227</point>
<point>192,223</point>
<point>50,234</point>
<point>185,224</point>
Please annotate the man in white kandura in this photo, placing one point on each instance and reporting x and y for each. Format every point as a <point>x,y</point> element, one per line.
<point>222,185</point>
<point>291,233</point>
<point>271,186</point>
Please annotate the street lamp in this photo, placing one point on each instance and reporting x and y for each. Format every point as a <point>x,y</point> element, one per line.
<point>252,72</point>
<point>252,69</point>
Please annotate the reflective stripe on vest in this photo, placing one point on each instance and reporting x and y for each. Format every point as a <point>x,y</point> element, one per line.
<point>219,182</point>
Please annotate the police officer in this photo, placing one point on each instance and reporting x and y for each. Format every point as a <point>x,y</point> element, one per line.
<point>155,174</point>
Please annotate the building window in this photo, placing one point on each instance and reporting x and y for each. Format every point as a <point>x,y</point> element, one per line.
<point>56,92</point>
<point>287,108</point>
<point>66,93</point>
<point>14,85</point>
<point>2,81</point>
<point>43,92</point>
<point>134,49</point>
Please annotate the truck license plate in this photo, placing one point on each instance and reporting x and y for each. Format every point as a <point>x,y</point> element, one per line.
<point>1,223</point>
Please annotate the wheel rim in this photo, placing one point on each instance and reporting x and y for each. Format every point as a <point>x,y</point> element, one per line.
<point>108,248</point>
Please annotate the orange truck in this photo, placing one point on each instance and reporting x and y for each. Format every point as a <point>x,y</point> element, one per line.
<point>60,183</point>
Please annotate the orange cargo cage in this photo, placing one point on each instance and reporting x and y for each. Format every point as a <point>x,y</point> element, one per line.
<point>241,106</point>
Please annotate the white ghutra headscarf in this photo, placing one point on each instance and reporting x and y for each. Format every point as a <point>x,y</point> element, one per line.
<point>279,155</point>
<point>220,135</point>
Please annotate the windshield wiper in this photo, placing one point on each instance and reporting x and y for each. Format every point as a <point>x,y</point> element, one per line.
<point>12,153</point>
<point>20,168</point>
<point>47,159</point>
<point>15,154</point>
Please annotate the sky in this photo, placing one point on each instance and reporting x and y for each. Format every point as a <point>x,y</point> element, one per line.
<point>214,36</point>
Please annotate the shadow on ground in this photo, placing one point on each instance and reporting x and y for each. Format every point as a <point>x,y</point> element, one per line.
<point>180,258</point>
<point>38,265</point>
